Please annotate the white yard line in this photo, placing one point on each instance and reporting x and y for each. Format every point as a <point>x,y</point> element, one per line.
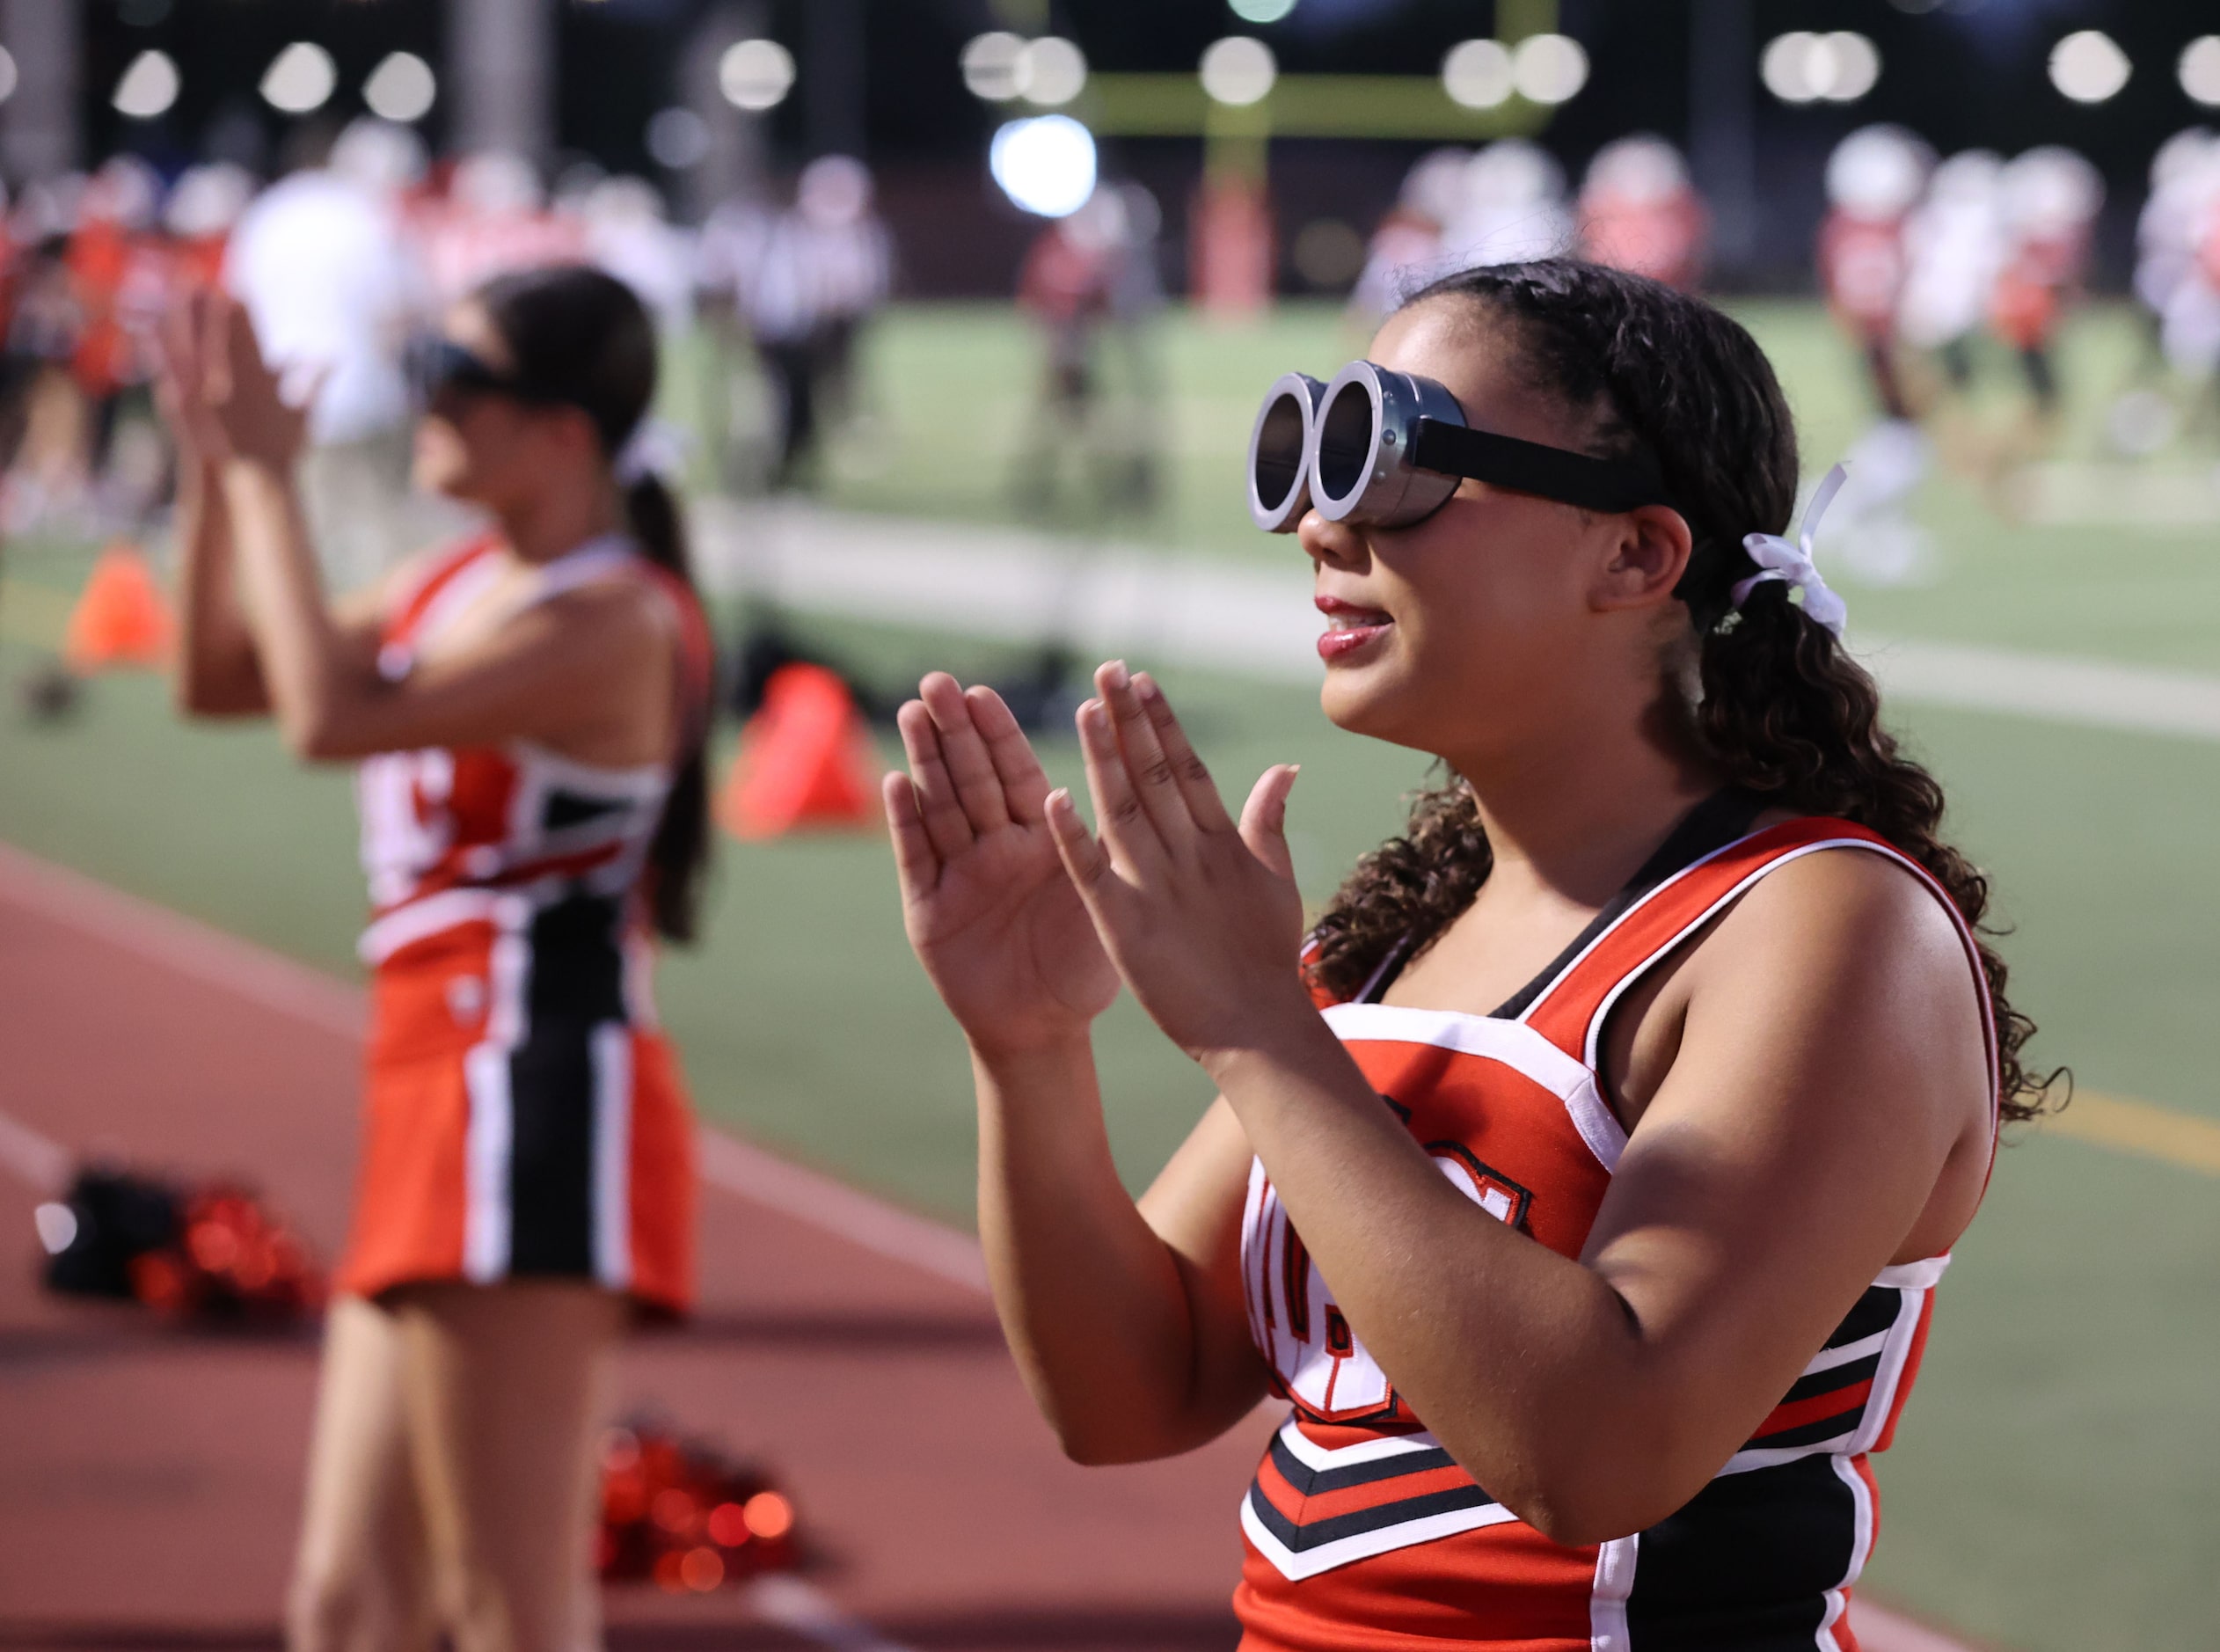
<point>280,983</point>
<point>1250,621</point>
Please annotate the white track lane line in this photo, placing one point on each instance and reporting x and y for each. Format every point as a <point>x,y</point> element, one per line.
<point>747,1172</point>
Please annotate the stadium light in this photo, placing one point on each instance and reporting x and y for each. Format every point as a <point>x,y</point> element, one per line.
<point>1802,67</point>
<point>1239,70</point>
<point>2089,67</point>
<point>8,76</point>
<point>401,89</point>
<point>2200,69</point>
<point>1549,68</point>
<point>1478,74</point>
<point>756,75</point>
<point>1260,11</point>
<point>991,66</point>
<point>1051,70</point>
<point>300,79</point>
<point>148,88</point>
<point>1046,164</point>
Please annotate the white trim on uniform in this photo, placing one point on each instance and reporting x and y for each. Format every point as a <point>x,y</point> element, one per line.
<point>1828,1358</point>
<point>1614,1587</point>
<point>1512,1043</point>
<point>1311,1454</point>
<point>1861,1546</point>
<point>1881,1400</point>
<point>405,926</point>
<point>612,1215</point>
<point>489,1138</point>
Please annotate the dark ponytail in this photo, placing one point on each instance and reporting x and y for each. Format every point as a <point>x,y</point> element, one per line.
<point>583,339</point>
<point>1781,708</point>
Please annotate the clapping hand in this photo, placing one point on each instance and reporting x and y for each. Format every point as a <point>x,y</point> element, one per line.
<point>1201,914</point>
<point>984,898</point>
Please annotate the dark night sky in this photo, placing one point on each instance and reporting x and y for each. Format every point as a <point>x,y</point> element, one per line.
<point>1969,72</point>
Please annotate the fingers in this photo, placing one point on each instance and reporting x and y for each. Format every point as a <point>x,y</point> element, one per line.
<point>1085,861</point>
<point>946,827</point>
<point>915,864</point>
<point>1118,813</point>
<point>971,770</point>
<point>1264,818</point>
<point>1188,770</point>
<point>1024,786</point>
<point>1149,772</point>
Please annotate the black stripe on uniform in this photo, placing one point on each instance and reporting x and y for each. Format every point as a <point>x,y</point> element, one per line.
<point>1846,1375</point>
<point>576,985</point>
<point>1875,1313</point>
<point>1312,1482</point>
<point>1745,1565</point>
<point>1316,1533</point>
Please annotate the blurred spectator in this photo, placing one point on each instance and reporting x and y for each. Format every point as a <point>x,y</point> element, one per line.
<point>1638,211</point>
<point>117,273</point>
<point>494,220</point>
<point>1874,179</point>
<point>324,267</point>
<point>1509,207</point>
<point>1954,247</point>
<point>2050,197</point>
<point>1405,250</point>
<point>628,235</point>
<point>1090,281</point>
<point>804,282</point>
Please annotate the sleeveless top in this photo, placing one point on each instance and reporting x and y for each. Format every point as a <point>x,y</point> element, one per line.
<point>1360,1530</point>
<point>449,834</point>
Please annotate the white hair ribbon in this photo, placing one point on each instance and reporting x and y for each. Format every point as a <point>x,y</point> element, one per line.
<point>1791,561</point>
<point>656,449</point>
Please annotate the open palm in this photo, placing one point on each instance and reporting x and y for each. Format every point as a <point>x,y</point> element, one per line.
<point>985,899</point>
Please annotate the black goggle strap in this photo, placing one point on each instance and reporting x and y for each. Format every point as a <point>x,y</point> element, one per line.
<point>1604,486</point>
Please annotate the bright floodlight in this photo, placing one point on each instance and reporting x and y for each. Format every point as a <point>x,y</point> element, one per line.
<point>1785,67</point>
<point>401,89</point>
<point>148,87</point>
<point>1478,74</point>
<point>7,75</point>
<point>1851,64</point>
<point>756,75</point>
<point>1051,71</point>
<point>991,66</point>
<point>1239,70</point>
<point>1046,164</point>
<point>2200,69</point>
<point>1260,11</point>
<point>2089,67</point>
<point>1549,68</point>
<point>1800,67</point>
<point>300,79</point>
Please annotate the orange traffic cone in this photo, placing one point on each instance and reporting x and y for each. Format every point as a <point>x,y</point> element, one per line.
<point>805,760</point>
<point>121,618</point>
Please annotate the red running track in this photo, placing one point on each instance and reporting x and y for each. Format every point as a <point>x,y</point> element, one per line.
<point>149,1480</point>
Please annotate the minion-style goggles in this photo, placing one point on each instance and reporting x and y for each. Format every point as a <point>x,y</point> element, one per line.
<point>1373,447</point>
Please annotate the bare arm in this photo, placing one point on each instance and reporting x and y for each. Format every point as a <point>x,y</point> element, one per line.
<point>1126,1321</point>
<point>1831,1070</point>
<point>218,674</point>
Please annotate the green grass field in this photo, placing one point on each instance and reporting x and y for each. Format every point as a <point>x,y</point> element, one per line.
<point>2055,1487</point>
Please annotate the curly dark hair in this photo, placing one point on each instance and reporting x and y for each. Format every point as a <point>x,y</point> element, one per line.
<point>1783,709</point>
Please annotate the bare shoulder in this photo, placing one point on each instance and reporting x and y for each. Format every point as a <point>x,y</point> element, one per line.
<point>1848,905</point>
<point>616,617</point>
